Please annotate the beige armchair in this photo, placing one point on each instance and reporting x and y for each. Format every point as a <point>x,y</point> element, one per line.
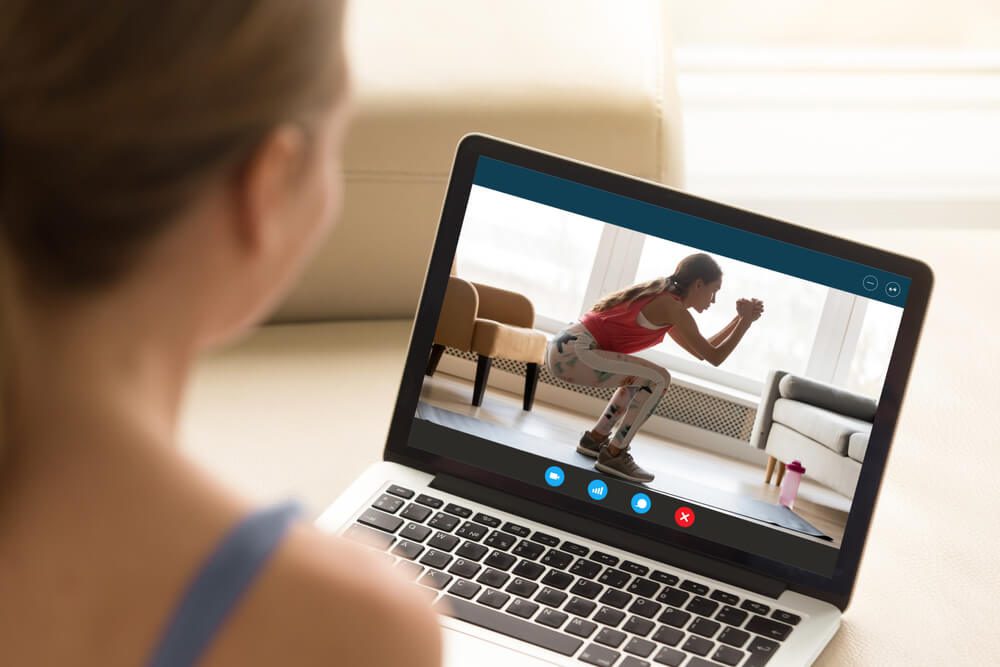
<point>489,322</point>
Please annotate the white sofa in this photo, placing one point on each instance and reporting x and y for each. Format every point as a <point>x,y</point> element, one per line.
<point>301,408</point>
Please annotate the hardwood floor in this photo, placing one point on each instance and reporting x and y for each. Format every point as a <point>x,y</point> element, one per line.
<point>820,506</point>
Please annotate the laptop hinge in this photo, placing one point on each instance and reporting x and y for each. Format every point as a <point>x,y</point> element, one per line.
<point>600,532</point>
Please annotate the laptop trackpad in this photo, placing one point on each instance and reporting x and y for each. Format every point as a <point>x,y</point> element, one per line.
<point>461,650</point>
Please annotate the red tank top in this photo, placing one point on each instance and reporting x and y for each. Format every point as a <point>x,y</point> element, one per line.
<point>617,330</point>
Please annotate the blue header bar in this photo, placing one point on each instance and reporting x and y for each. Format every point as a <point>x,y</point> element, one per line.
<point>711,237</point>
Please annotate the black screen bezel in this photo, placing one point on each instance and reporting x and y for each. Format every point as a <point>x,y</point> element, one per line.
<point>836,589</point>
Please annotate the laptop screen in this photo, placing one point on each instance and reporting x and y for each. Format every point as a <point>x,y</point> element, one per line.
<point>704,379</point>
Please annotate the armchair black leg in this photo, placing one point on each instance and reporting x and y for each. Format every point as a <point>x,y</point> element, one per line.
<point>530,383</point>
<point>482,373</point>
<point>436,351</point>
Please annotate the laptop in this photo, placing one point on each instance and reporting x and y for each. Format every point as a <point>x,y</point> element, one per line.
<point>532,555</point>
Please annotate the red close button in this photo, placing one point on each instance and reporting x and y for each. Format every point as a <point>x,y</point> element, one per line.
<point>684,516</point>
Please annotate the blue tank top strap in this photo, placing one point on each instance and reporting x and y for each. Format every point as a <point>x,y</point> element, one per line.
<point>220,583</point>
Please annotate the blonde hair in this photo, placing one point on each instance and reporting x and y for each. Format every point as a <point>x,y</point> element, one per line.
<point>115,115</point>
<point>689,269</point>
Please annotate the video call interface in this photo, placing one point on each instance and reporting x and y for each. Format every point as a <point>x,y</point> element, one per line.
<point>706,380</point>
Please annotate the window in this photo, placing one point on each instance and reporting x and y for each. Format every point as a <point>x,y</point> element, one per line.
<point>542,252</point>
<point>870,360</point>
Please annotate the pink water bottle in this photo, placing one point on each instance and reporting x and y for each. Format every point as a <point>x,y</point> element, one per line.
<point>790,485</point>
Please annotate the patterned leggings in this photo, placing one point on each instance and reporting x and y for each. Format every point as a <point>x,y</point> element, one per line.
<point>573,356</point>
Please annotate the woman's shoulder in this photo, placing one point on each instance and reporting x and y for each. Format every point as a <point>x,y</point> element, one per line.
<point>334,602</point>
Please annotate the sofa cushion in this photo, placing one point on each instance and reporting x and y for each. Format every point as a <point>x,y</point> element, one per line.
<point>494,339</point>
<point>827,396</point>
<point>857,445</point>
<point>828,428</point>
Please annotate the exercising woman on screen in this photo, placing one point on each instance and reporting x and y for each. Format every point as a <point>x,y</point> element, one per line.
<point>598,351</point>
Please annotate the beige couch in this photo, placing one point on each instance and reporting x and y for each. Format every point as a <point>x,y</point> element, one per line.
<point>301,409</point>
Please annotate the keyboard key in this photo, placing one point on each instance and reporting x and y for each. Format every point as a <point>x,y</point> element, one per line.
<point>443,522</point>
<point>580,606</point>
<point>551,617</point>
<point>436,559</point>
<point>528,570</point>
<point>643,587</point>
<point>465,568</point>
<point>613,577</point>
<point>430,501</point>
<point>755,607</point>
<point>400,491</point>
<point>634,568</point>
<point>492,598</point>
<point>522,587</point>
<point>573,548</point>
<point>580,627</point>
<point>472,551</point>
<point>609,637</point>
<point>557,579</point>
<point>723,596</point>
<point>500,560</point>
<point>499,540</point>
<point>694,587</point>
<point>415,513</point>
<point>728,656</point>
<point>631,661</point>
<point>587,589</point>
<point>785,617</point>
<point>529,550</point>
<point>698,645</point>
<point>415,532</point>
<point>406,549</point>
<point>609,616</point>
<point>557,559</point>
<point>465,589</point>
<point>598,655</point>
<point>435,579</point>
<point>673,597</point>
<point>704,627</point>
<point>702,606</point>
<point>471,531</point>
<point>507,624</point>
<point>664,578</point>
<point>645,608</point>
<point>458,510</point>
<point>544,538</point>
<point>606,559</point>
<point>732,616</point>
<point>494,578</point>
<point>761,651</point>
<point>522,608</point>
<point>551,597</point>
<point>486,520</point>
<point>768,628</point>
<point>515,529</point>
<point>375,539</point>
<point>638,626</point>
<point>443,541</point>
<point>380,520</point>
<point>668,635</point>
<point>585,568</point>
<point>669,656</point>
<point>387,503</point>
<point>616,598</point>
<point>733,637</point>
<point>674,617</point>
<point>641,647</point>
<point>409,569</point>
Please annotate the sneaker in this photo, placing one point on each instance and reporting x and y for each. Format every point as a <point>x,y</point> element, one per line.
<point>623,466</point>
<point>589,446</point>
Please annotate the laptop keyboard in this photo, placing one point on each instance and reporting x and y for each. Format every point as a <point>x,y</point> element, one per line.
<point>599,607</point>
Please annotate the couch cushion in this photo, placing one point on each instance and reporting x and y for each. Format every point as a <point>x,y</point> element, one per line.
<point>857,445</point>
<point>827,428</point>
<point>494,339</point>
<point>827,396</point>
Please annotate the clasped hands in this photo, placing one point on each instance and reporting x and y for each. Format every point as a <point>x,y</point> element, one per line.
<point>749,309</point>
